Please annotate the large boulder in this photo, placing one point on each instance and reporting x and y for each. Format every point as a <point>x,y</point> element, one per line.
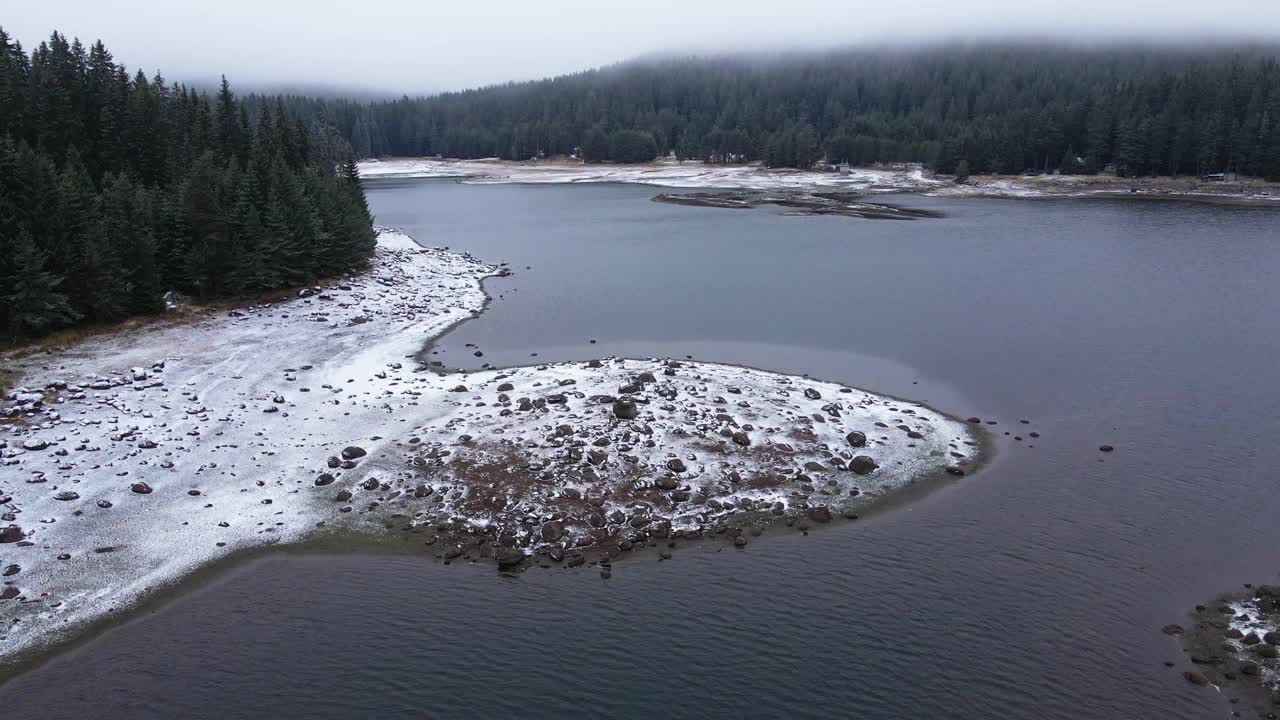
<point>353,452</point>
<point>856,439</point>
<point>10,534</point>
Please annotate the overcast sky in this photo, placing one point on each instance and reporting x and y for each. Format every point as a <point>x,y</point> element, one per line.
<point>423,45</point>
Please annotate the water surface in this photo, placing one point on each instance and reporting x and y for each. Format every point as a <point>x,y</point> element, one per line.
<point>1035,589</point>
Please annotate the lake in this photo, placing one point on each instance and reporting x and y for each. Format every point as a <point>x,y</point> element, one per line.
<point>1034,589</point>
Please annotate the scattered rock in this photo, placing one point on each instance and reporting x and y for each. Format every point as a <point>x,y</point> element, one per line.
<point>624,410</point>
<point>863,465</point>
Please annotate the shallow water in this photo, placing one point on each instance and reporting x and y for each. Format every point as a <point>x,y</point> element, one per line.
<point>1035,589</point>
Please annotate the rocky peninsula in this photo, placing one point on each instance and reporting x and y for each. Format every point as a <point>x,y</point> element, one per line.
<point>130,460</point>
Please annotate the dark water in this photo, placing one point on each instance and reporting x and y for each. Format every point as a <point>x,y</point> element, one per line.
<point>1035,589</point>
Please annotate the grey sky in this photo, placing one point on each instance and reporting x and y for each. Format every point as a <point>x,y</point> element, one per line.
<point>419,45</point>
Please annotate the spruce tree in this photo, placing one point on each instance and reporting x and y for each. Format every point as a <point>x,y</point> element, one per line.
<point>34,302</point>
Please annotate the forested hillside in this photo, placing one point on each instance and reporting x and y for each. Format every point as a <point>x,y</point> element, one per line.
<point>116,187</point>
<point>1000,108</point>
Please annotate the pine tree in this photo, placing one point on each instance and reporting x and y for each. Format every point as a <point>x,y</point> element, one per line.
<point>35,304</point>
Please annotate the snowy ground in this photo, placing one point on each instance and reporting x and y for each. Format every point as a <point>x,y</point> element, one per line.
<point>689,174</point>
<point>696,174</point>
<point>129,461</point>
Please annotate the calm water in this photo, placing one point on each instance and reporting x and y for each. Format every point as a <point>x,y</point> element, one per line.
<point>1035,589</point>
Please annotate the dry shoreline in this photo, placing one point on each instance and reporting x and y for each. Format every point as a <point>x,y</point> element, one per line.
<point>389,309</point>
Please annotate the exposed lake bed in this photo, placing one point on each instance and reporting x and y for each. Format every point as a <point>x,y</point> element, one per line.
<point>884,296</point>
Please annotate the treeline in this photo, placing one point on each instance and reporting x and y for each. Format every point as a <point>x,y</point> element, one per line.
<point>116,187</point>
<point>1000,108</point>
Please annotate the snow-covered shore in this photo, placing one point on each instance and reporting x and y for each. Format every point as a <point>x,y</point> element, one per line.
<point>130,461</point>
<point>697,175</point>
<point>672,174</point>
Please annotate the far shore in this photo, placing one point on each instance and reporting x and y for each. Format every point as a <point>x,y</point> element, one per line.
<point>695,174</point>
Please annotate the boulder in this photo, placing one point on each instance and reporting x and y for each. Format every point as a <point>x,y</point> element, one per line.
<point>353,452</point>
<point>856,439</point>
<point>508,557</point>
<point>141,488</point>
<point>625,410</point>
<point>10,534</point>
<point>324,479</point>
<point>552,531</point>
<point>862,465</point>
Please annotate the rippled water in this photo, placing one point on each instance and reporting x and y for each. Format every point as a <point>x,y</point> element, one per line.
<point>1035,589</point>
